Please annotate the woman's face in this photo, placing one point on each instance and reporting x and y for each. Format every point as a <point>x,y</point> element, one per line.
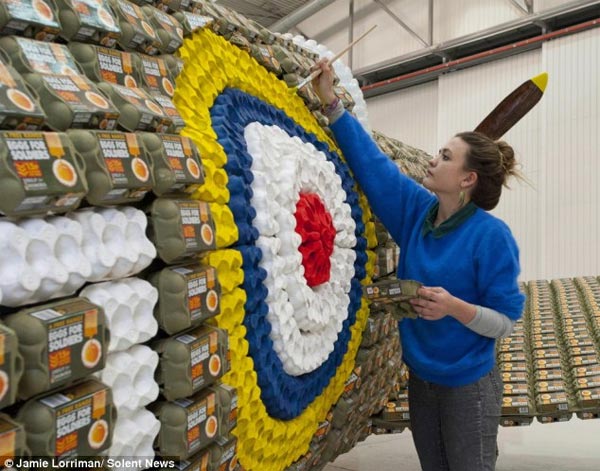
<point>447,171</point>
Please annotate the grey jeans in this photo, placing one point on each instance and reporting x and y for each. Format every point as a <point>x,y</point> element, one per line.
<point>455,428</point>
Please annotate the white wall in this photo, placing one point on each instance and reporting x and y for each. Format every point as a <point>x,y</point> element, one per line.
<point>557,223</point>
<point>411,116</point>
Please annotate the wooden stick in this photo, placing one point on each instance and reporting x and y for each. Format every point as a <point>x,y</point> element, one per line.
<point>317,72</point>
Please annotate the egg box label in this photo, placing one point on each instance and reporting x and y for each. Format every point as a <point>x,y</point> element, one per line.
<point>183,158</point>
<point>547,364</point>
<point>96,21</point>
<point>582,350</point>
<point>82,419</point>
<point>170,110</point>
<point>18,109</point>
<point>144,37</point>
<point>157,76</point>
<point>202,420</point>
<point>549,386</point>
<point>203,291</point>
<point>324,427</point>
<point>116,67</point>
<point>46,58</point>
<point>208,349</point>
<point>172,33</point>
<point>224,453</point>
<point>75,340</point>
<point>23,14</point>
<point>516,405</point>
<point>391,291</point>
<point>44,166</point>
<point>197,226</point>
<point>584,360</point>
<point>548,374</point>
<point>552,401</point>
<point>152,116</point>
<point>193,22</point>
<point>127,166</point>
<point>89,107</point>
<point>512,366</point>
<point>588,398</point>
<point>515,388</point>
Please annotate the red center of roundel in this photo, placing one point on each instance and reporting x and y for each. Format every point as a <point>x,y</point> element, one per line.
<point>315,226</point>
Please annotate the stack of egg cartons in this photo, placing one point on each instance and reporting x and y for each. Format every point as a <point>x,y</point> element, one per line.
<point>52,349</point>
<point>87,98</point>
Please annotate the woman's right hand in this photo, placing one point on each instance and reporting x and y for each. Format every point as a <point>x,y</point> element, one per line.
<point>323,84</point>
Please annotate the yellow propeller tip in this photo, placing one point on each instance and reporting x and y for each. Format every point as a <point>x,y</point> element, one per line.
<point>541,81</point>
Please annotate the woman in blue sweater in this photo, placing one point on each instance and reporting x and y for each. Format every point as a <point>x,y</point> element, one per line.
<point>468,262</point>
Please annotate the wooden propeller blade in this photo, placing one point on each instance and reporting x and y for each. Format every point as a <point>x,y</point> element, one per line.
<point>513,107</point>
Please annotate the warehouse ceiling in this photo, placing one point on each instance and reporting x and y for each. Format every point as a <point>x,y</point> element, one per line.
<point>263,11</point>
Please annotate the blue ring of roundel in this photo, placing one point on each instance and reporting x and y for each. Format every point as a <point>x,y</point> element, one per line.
<point>285,397</point>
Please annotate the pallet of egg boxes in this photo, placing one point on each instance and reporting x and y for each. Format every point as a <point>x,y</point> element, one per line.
<point>68,98</point>
<point>514,382</point>
<point>513,365</point>
<point>551,379</point>
<point>197,429</point>
<point>395,294</point>
<point>584,366</point>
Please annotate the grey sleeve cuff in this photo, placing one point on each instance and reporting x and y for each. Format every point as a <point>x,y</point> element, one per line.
<point>490,323</point>
<point>336,113</point>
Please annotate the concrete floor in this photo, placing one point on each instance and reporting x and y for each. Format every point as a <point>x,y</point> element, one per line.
<point>567,446</point>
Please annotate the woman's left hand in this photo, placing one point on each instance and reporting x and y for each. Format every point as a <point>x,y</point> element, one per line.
<point>433,303</point>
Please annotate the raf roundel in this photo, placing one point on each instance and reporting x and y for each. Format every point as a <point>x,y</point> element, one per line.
<point>295,321</point>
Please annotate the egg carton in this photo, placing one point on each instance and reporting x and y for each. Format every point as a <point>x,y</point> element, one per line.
<point>130,374</point>
<point>128,306</point>
<point>133,436</point>
<point>46,258</point>
<point>41,259</point>
<point>115,241</point>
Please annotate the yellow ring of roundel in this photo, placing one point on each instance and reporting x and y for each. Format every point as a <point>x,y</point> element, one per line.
<point>211,64</point>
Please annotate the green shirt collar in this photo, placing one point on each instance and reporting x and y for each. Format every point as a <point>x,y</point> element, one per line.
<point>449,224</point>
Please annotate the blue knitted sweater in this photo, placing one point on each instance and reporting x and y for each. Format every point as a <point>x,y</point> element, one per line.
<point>477,262</point>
